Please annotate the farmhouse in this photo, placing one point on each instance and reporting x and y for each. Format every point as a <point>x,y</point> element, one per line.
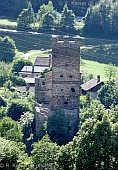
<point>92,86</point>
<point>39,65</point>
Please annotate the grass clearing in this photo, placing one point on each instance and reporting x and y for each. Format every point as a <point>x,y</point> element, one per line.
<point>38,53</point>
<point>8,22</point>
<point>26,42</point>
<point>95,68</point>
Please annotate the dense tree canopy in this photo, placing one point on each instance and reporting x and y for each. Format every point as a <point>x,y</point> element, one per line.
<point>10,129</point>
<point>48,21</point>
<point>14,7</point>
<point>19,63</point>
<point>4,73</point>
<point>102,19</point>
<point>67,19</point>
<point>57,127</point>
<point>108,94</point>
<point>7,49</point>
<point>26,17</point>
<point>44,153</point>
<point>18,108</point>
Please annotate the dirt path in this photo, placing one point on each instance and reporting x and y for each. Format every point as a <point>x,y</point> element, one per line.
<point>26,55</point>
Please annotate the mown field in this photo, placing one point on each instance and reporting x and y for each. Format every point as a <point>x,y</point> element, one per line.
<point>7,21</point>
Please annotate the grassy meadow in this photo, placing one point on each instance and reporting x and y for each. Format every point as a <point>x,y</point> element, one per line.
<point>7,21</point>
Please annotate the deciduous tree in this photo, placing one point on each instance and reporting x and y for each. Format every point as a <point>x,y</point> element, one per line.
<point>57,127</point>
<point>7,49</point>
<point>10,130</point>
<point>18,108</point>
<point>44,153</point>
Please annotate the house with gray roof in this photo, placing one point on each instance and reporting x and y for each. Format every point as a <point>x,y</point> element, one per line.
<point>92,86</point>
<point>40,64</point>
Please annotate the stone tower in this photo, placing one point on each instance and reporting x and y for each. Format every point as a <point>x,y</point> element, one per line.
<point>60,88</point>
<point>65,73</point>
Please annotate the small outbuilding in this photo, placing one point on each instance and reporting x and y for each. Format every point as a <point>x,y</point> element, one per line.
<point>92,86</point>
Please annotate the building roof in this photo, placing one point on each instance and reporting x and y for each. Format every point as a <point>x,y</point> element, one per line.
<point>29,80</point>
<point>27,69</point>
<point>34,69</point>
<point>23,89</point>
<point>42,61</point>
<point>38,69</point>
<point>90,84</point>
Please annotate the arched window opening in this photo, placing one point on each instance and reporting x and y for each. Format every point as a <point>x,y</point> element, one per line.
<point>73,90</point>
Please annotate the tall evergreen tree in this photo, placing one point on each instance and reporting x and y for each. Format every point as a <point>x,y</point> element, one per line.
<point>67,19</point>
<point>26,17</point>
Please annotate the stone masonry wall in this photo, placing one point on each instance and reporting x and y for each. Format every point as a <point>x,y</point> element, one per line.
<point>65,73</point>
<point>62,86</point>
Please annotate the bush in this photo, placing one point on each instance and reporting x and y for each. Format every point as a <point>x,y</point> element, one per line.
<point>18,108</point>
<point>2,102</point>
<point>57,127</point>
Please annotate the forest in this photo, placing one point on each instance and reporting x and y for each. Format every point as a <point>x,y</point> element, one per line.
<point>13,7</point>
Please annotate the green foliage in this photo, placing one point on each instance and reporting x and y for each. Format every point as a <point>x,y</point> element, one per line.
<point>45,153</point>
<point>2,112</point>
<point>102,19</point>
<point>2,102</point>
<point>44,9</point>
<point>85,101</point>
<point>26,123</point>
<point>19,63</point>
<point>26,17</point>
<point>7,49</point>
<point>96,140</point>
<point>9,154</point>
<point>57,127</point>
<point>18,108</point>
<point>10,130</point>
<point>108,94</point>
<point>66,157</point>
<point>48,21</point>
<point>67,19</point>
<point>4,73</point>
<point>94,111</point>
<point>17,81</point>
<point>8,85</point>
<point>110,71</point>
<point>12,155</point>
<point>42,74</point>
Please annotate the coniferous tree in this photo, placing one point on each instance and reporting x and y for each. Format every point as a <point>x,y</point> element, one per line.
<point>26,17</point>
<point>67,19</point>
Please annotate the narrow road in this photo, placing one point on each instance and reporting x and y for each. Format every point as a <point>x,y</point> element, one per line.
<point>26,55</point>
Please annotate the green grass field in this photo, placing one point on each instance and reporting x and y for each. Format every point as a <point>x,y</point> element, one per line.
<point>25,42</point>
<point>95,68</point>
<point>40,53</point>
<point>9,22</point>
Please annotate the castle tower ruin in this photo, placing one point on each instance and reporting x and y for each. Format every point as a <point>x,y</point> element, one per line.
<point>60,88</point>
<point>65,73</point>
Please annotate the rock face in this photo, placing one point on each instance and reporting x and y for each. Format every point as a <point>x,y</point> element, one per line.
<point>60,88</point>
